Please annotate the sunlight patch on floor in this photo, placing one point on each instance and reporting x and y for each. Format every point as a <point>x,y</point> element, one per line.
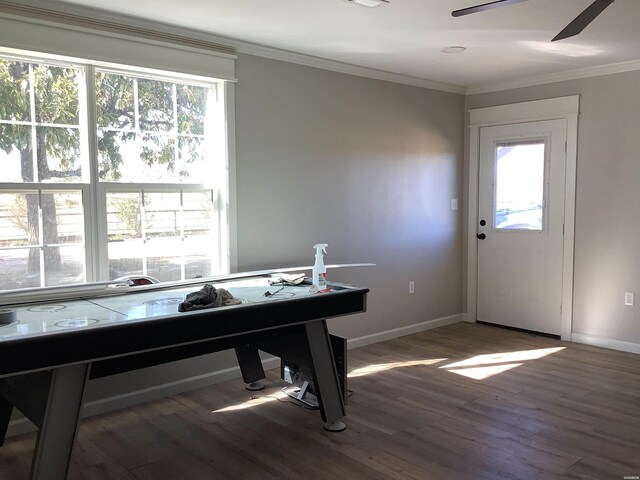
<point>485,366</point>
<point>383,367</point>
<point>480,373</point>
<point>254,402</point>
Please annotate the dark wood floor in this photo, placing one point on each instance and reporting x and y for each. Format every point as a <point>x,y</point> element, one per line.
<point>572,413</point>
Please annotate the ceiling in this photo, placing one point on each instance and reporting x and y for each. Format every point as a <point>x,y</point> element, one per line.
<point>405,37</point>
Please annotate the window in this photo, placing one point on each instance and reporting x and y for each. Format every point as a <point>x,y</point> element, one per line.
<point>109,172</point>
<point>520,185</point>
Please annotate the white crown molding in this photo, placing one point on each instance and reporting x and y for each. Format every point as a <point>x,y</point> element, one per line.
<point>340,67</point>
<point>556,77</point>
<point>85,19</point>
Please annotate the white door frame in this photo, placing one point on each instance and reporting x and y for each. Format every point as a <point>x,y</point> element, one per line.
<point>551,109</point>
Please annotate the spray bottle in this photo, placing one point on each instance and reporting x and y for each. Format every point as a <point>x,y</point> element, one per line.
<point>319,278</point>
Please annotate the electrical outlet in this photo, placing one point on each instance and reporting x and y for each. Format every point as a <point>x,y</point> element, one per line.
<point>454,204</point>
<point>412,287</point>
<point>629,298</point>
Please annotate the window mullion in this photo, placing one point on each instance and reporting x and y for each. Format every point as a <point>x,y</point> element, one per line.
<point>32,112</point>
<point>95,227</point>
<point>143,229</point>
<point>183,259</point>
<point>41,239</point>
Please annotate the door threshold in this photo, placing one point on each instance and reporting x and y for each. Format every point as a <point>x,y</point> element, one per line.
<point>516,329</point>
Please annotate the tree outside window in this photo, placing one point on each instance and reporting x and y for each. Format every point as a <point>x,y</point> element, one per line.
<point>149,132</point>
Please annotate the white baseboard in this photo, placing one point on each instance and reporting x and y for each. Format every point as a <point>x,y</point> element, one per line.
<point>467,317</point>
<point>103,405</point>
<point>402,331</point>
<point>606,343</point>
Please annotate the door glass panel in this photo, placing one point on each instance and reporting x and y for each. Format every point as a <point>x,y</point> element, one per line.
<point>520,185</point>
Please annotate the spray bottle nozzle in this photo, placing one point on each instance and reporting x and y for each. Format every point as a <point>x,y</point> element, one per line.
<point>321,248</point>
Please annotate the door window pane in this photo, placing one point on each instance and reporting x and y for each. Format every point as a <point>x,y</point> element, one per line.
<point>520,185</point>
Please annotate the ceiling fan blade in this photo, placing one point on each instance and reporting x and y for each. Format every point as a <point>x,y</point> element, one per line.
<point>483,7</point>
<point>581,21</point>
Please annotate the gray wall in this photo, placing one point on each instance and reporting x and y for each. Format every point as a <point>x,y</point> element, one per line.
<point>607,262</point>
<point>368,167</point>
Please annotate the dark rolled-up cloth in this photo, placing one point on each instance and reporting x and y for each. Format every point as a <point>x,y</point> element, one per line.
<point>207,297</point>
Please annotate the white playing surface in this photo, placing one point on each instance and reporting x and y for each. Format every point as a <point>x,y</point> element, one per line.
<point>60,317</point>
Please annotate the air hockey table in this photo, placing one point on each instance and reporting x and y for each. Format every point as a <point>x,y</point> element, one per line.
<point>52,349</point>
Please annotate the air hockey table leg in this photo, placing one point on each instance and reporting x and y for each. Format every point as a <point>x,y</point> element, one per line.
<point>5,416</point>
<point>325,376</point>
<point>250,367</point>
<point>57,434</point>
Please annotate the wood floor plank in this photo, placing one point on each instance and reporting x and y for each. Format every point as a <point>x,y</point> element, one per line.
<point>573,413</point>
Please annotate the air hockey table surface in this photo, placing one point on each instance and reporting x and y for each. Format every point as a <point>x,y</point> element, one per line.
<point>139,304</point>
<point>54,347</point>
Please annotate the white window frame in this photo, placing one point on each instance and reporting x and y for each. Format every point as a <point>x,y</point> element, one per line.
<point>94,191</point>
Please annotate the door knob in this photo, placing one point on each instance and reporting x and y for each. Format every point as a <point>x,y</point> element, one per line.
<point>481,236</point>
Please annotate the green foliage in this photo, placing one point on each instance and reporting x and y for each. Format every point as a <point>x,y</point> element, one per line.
<point>56,102</point>
<point>14,90</point>
<point>18,212</point>
<point>56,91</point>
<point>151,115</point>
<point>128,211</point>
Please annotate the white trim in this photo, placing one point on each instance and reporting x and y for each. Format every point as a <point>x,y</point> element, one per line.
<point>606,343</point>
<point>575,74</point>
<point>93,20</point>
<point>20,33</point>
<point>340,67</point>
<point>569,221</point>
<point>547,109</point>
<point>402,331</point>
<point>232,210</point>
<point>554,108</point>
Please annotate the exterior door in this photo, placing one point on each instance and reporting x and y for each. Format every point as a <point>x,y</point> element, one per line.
<point>521,225</point>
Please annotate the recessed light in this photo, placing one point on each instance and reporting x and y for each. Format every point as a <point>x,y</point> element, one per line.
<point>453,49</point>
<point>369,3</point>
